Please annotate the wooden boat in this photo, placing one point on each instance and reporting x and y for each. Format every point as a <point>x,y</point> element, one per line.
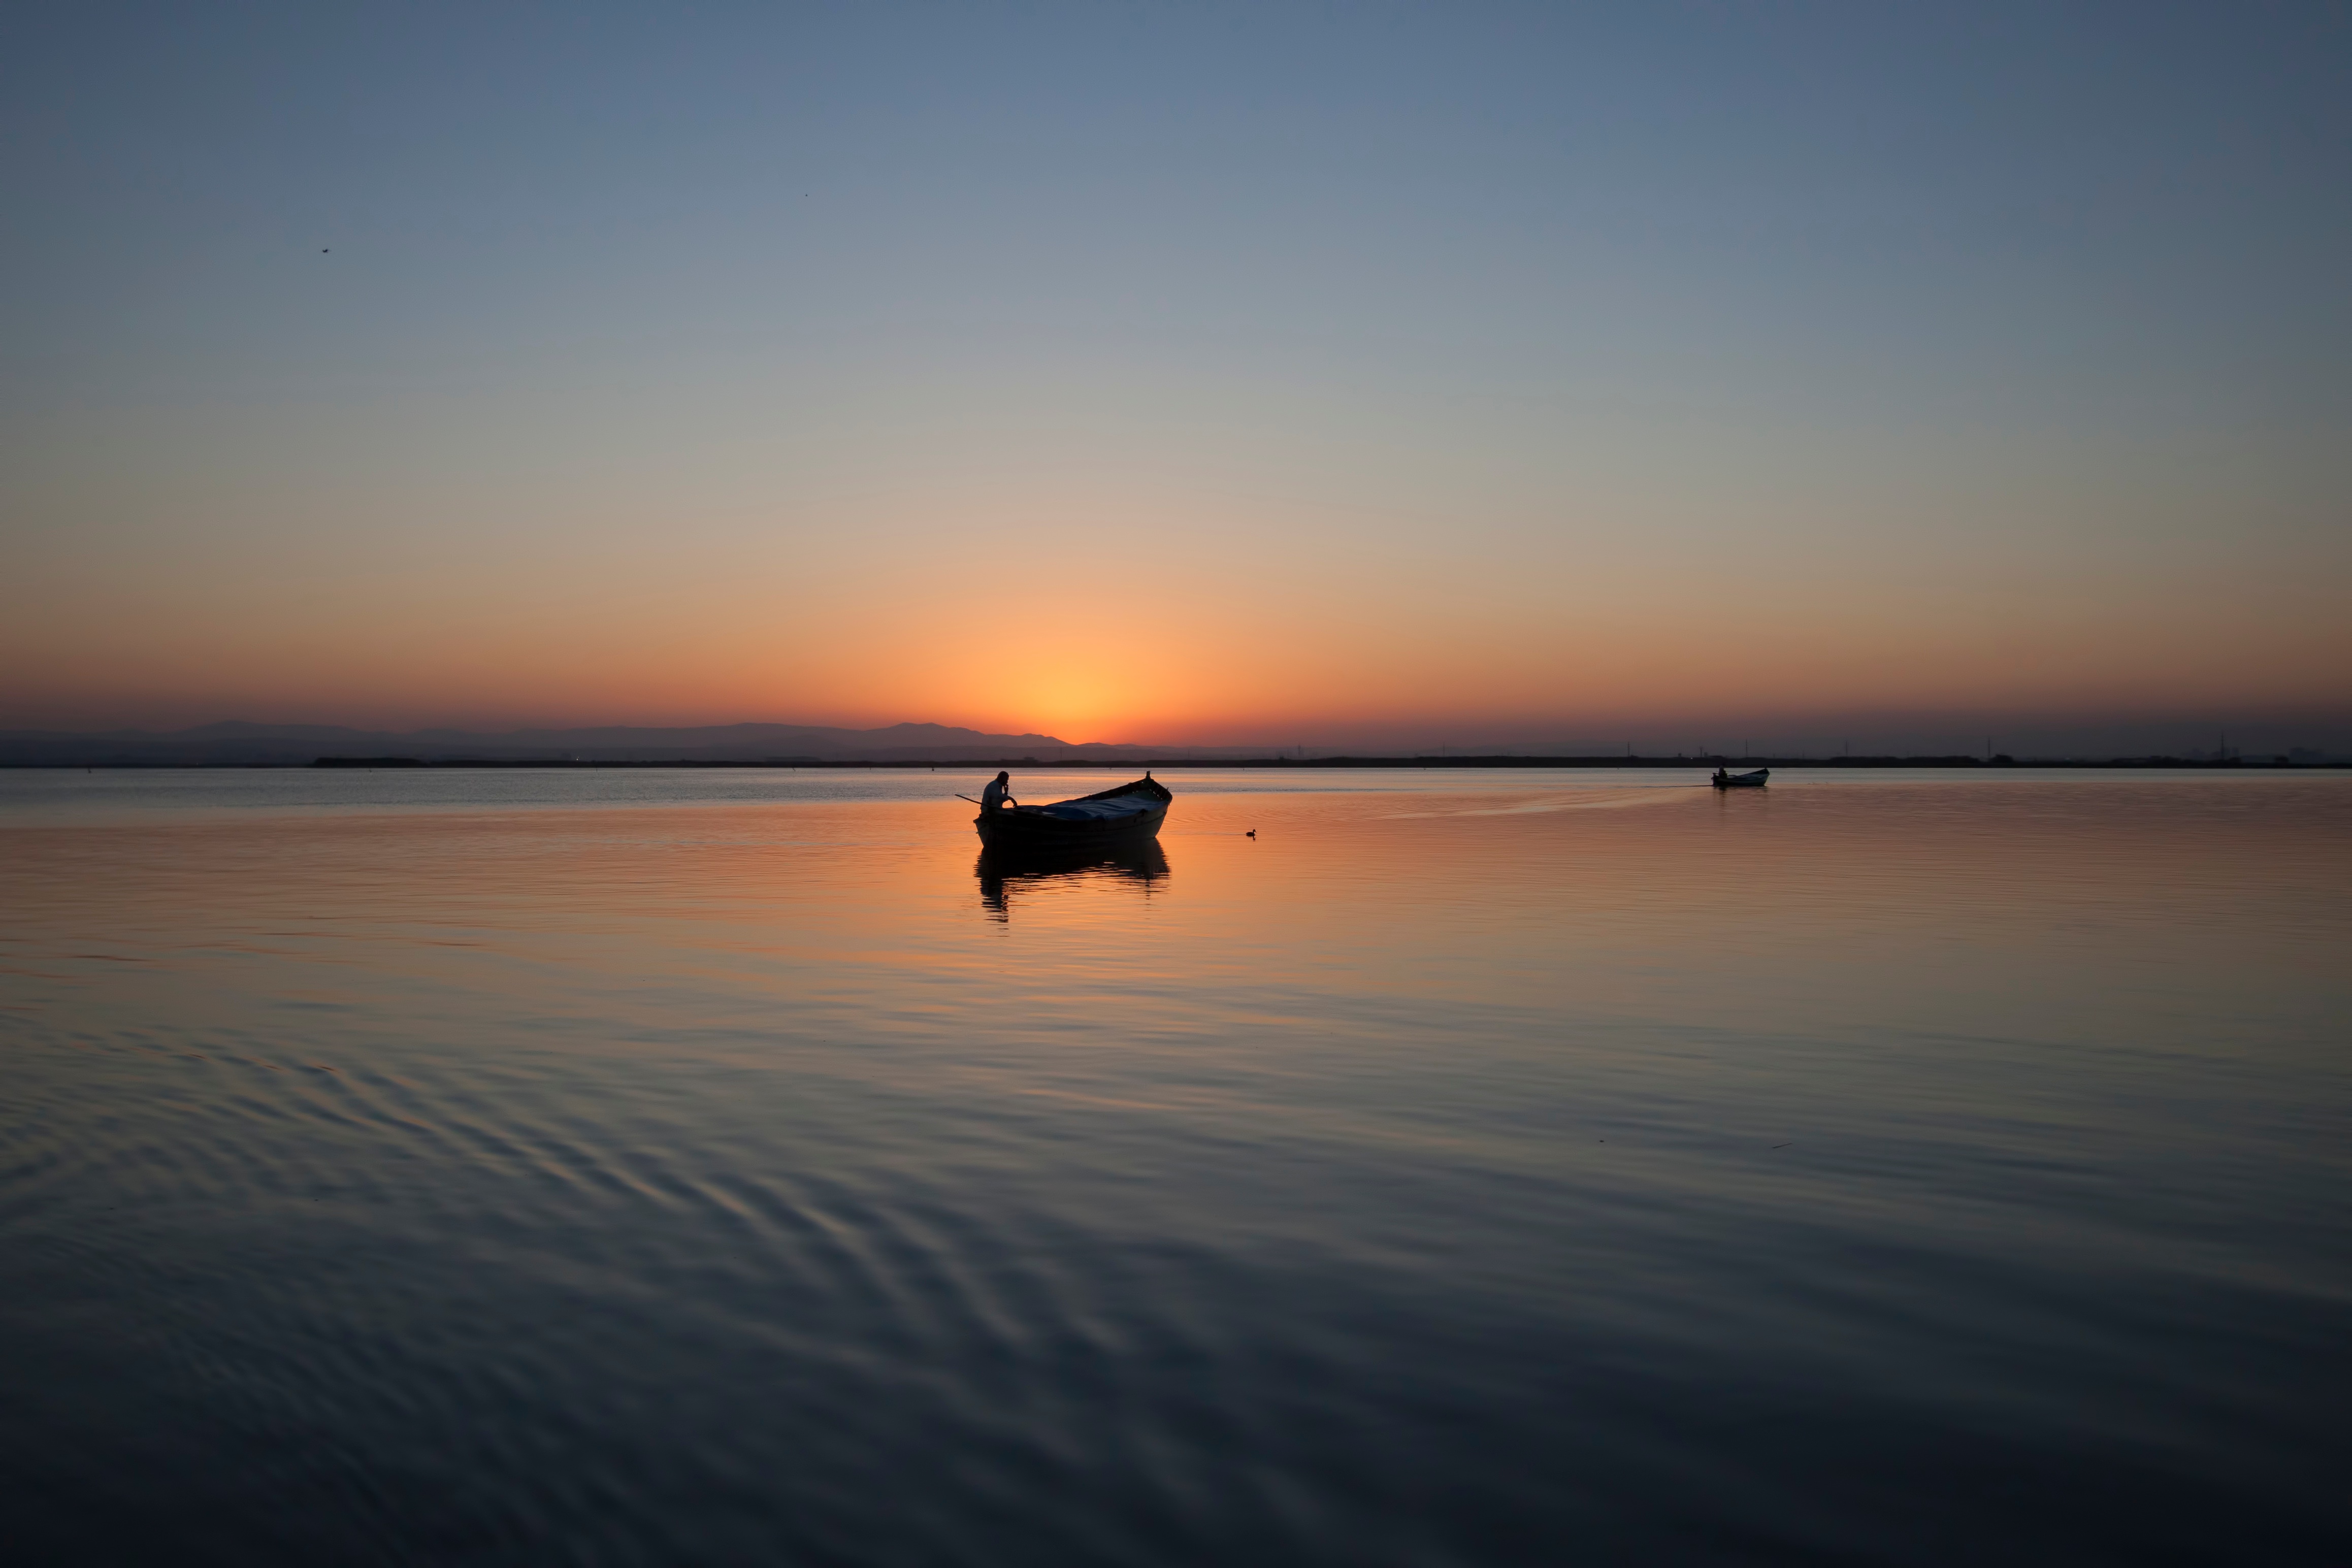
<point>1722,780</point>
<point>1131,812</point>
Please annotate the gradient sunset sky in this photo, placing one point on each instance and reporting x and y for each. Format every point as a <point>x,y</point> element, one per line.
<point>1197,372</point>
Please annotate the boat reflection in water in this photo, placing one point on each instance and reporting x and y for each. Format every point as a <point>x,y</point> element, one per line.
<point>1003,872</point>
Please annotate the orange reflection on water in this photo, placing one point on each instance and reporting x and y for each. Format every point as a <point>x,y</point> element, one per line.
<point>2017,905</point>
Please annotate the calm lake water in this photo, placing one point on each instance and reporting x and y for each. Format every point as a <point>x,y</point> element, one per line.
<point>1497,1168</point>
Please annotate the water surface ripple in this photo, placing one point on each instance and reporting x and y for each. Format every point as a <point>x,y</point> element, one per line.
<point>631,1168</point>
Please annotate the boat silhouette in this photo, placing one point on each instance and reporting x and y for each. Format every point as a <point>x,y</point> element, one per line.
<point>1122,815</point>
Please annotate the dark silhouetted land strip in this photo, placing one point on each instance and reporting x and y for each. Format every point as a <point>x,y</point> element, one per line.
<point>1097,764</point>
<point>237,743</point>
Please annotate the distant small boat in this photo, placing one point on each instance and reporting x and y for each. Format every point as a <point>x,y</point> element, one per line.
<point>1722,780</point>
<point>1131,812</point>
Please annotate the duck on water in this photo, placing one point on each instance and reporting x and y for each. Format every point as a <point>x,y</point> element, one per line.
<point>1129,812</point>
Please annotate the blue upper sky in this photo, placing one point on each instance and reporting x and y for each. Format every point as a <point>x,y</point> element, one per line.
<point>1926,311</point>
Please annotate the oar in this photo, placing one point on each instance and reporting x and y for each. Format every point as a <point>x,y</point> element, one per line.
<point>973,801</point>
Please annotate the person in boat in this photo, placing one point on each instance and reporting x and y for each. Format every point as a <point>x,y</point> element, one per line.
<point>1721,774</point>
<point>998,795</point>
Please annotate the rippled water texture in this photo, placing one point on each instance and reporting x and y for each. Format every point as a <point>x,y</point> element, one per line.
<point>667,1168</point>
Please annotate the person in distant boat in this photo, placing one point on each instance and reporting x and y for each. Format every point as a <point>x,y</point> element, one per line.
<point>998,795</point>
<point>1721,774</point>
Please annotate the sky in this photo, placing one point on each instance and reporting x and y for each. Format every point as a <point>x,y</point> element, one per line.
<point>1189,373</point>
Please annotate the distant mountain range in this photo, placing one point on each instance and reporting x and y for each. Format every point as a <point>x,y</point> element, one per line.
<point>233,744</point>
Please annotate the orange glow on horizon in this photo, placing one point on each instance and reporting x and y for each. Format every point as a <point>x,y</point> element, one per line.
<point>1162,626</point>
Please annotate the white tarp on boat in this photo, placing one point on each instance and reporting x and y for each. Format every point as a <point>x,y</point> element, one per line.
<point>1096,810</point>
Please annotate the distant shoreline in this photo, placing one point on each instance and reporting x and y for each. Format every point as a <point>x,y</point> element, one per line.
<point>1471,763</point>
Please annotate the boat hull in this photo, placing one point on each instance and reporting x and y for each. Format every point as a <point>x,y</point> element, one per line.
<point>1013,829</point>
